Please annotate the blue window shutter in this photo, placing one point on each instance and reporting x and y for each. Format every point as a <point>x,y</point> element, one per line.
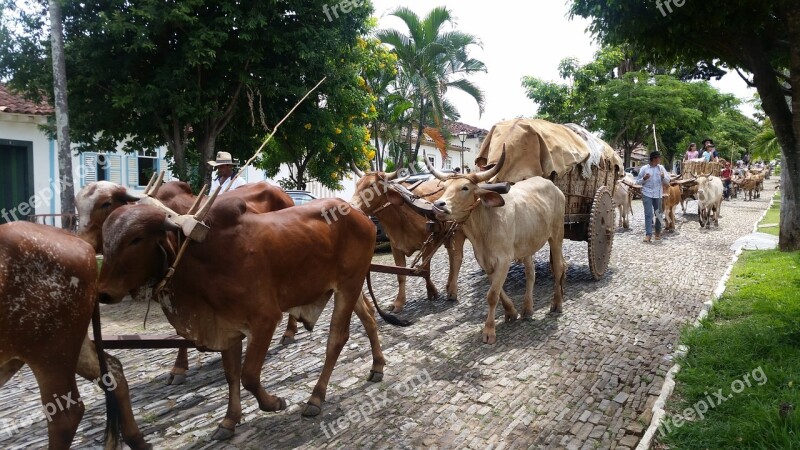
<point>114,168</point>
<point>132,161</point>
<point>89,168</point>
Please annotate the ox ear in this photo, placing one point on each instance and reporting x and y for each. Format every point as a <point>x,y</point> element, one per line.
<point>490,199</point>
<point>394,197</point>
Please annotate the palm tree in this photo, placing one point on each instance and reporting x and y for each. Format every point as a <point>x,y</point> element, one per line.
<point>765,144</point>
<point>433,60</point>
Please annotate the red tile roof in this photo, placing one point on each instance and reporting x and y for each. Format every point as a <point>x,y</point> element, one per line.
<point>16,104</point>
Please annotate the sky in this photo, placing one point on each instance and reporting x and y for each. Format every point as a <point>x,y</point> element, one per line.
<point>519,39</point>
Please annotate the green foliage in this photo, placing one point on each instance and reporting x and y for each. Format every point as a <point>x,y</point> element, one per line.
<point>765,143</point>
<point>432,60</point>
<point>151,73</point>
<point>754,325</point>
<point>624,108</point>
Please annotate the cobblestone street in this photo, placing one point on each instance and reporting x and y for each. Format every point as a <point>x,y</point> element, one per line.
<point>584,379</point>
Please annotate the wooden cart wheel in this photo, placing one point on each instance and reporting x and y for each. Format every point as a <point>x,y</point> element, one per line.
<point>601,232</point>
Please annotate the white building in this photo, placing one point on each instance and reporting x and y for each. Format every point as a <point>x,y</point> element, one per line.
<point>30,179</point>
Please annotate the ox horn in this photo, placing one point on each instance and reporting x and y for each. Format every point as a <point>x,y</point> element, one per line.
<point>487,175</point>
<point>390,176</point>
<point>360,173</point>
<point>207,205</point>
<point>437,173</point>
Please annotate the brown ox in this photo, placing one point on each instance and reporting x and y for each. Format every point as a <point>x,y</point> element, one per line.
<point>505,228</point>
<point>237,283</point>
<point>672,197</point>
<point>748,186</point>
<point>406,229</point>
<point>48,289</point>
<point>97,201</point>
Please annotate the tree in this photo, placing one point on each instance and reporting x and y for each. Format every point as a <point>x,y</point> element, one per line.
<point>150,73</point>
<point>433,60</point>
<point>754,36</point>
<point>62,112</point>
<point>625,107</point>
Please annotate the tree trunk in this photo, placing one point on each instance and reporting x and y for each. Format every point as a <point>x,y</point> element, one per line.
<point>62,115</point>
<point>420,130</point>
<point>206,148</point>
<point>786,122</point>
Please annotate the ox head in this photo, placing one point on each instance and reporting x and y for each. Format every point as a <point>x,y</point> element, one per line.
<point>371,188</point>
<point>95,203</point>
<point>461,193</point>
<point>136,250</point>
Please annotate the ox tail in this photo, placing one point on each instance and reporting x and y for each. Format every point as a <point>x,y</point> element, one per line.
<point>389,318</point>
<point>112,406</point>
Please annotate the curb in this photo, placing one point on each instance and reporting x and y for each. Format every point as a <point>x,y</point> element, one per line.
<point>669,380</point>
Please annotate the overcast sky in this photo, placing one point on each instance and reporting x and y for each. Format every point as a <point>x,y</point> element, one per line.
<point>519,38</point>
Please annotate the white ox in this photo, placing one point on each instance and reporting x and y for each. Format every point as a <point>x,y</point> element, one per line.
<point>622,200</point>
<point>709,199</point>
<point>505,228</point>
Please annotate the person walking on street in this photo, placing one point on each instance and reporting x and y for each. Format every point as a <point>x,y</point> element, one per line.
<point>653,178</point>
<point>727,176</point>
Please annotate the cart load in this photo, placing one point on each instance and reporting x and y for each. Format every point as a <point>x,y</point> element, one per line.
<point>582,166</point>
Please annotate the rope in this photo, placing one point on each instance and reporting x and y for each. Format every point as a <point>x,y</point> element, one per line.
<point>274,130</point>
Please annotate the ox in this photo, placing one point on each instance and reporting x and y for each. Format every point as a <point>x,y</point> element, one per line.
<point>505,228</point>
<point>97,200</point>
<point>237,283</point>
<point>48,289</point>
<point>672,197</point>
<point>406,229</point>
<point>622,200</point>
<point>709,199</point>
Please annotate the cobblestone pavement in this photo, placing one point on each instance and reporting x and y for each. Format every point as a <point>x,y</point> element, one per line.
<point>585,379</point>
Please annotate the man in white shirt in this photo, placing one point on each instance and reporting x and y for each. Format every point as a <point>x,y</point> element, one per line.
<point>653,178</point>
<point>224,168</point>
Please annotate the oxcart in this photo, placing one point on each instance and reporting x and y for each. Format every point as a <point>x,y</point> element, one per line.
<point>692,169</point>
<point>584,168</point>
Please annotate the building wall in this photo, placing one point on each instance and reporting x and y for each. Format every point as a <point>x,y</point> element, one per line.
<point>20,127</point>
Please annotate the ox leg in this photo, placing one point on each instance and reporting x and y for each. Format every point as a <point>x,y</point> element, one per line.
<point>496,280</point>
<point>559,269</point>
<point>367,317</point>
<point>455,255</point>
<point>257,348</point>
<point>178,373</point>
<point>89,369</point>
<point>60,401</point>
<point>400,300</point>
<point>433,293</point>
<point>530,279</point>
<point>232,363</point>
<point>9,369</point>
<point>511,314</point>
<point>337,338</point>
<point>291,331</point>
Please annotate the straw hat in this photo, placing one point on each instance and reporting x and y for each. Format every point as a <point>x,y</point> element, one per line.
<point>223,159</point>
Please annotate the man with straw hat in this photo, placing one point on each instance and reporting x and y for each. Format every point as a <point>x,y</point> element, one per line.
<point>224,167</point>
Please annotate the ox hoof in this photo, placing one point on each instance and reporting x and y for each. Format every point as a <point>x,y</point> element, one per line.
<point>222,434</point>
<point>287,340</point>
<point>527,315</point>
<point>396,308</point>
<point>176,379</point>
<point>489,338</point>
<point>555,311</point>
<point>311,410</point>
<point>511,317</point>
<point>452,297</point>
<point>375,376</point>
